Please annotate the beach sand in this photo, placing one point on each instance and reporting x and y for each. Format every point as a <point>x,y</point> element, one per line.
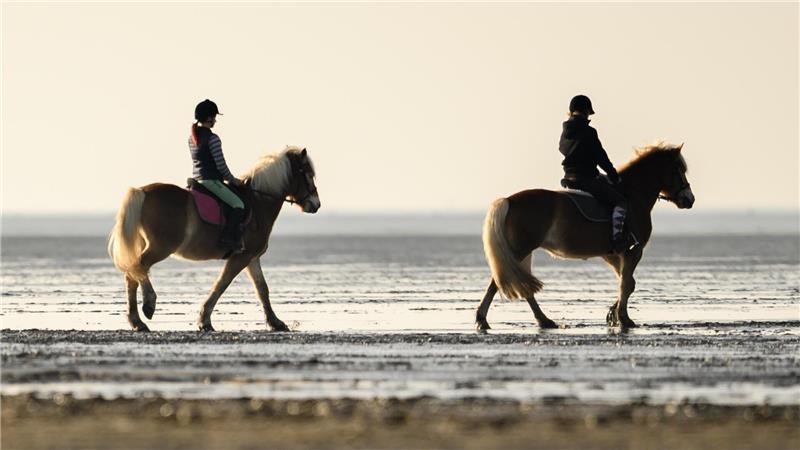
<point>729,386</point>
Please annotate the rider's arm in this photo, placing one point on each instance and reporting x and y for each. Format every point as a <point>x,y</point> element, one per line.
<point>215,145</point>
<point>602,159</point>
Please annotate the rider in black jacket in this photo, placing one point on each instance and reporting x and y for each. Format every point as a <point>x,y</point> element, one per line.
<point>582,154</point>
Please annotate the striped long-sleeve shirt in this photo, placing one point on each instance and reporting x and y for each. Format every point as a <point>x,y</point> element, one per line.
<point>207,158</point>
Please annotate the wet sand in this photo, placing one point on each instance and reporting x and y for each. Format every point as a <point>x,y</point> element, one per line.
<point>719,386</point>
<point>418,423</point>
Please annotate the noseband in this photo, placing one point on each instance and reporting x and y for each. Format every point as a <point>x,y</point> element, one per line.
<point>674,197</point>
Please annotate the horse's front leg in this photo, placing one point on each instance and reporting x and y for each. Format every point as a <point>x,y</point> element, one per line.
<point>254,270</point>
<point>232,268</point>
<point>615,261</point>
<point>627,285</point>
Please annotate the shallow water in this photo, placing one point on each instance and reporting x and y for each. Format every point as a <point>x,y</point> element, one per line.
<point>393,317</point>
<point>401,283</point>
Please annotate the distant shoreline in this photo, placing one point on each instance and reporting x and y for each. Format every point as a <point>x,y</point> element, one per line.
<point>292,222</point>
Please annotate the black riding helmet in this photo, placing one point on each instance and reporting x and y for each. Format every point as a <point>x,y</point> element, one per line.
<point>205,109</point>
<point>580,103</point>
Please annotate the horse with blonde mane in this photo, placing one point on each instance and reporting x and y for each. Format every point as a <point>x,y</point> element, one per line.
<point>159,220</point>
<point>539,218</point>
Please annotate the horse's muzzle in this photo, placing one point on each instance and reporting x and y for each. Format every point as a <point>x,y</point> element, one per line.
<point>312,206</point>
<point>686,201</point>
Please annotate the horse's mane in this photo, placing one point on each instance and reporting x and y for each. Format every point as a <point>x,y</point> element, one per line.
<point>272,173</point>
<point>656,153</point>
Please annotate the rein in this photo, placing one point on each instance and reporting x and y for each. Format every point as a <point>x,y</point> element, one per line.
<point>268,194</point>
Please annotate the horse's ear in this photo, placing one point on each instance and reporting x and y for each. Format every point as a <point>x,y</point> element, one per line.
<point>304,152</point>
<point>680,147</point>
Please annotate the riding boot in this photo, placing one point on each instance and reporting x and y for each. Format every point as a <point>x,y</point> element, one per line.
<point>231,236</point>
<point>618,241</point>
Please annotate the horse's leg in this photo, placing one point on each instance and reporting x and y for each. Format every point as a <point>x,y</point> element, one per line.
<point>153,254</point>
<point>626,286</point>
<point>133,311</point>
<point>257,276</point>
<point>480,315</point>
<point>148,298</point>
<point>541,318</point>
<point>232,268</point>
<point>615,261</point>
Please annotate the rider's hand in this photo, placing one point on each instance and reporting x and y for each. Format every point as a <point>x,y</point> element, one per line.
<point>613,177</point>
<point>237,183</point>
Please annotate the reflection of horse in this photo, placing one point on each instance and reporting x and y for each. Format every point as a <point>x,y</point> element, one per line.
<point>158,220</point>
<point>527,220</point>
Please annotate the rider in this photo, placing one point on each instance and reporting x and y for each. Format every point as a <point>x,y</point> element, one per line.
<point>582,154</point>
<point>210,169</point>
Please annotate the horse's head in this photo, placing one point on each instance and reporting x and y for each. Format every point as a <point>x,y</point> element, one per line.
<point>303,189</point>
<point>675,185</point>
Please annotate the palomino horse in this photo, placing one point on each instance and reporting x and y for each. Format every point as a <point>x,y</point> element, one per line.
<point>159,220</point>
<point>527,220</point>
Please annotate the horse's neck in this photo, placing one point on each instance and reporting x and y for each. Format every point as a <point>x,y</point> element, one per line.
<point>641,192</point>
<point>640,188</point>
<point>267,208</point>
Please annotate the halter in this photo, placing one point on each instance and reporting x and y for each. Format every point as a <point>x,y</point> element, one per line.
<point>675,196</point>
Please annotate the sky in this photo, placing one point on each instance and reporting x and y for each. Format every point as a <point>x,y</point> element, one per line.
<point>403,107</point>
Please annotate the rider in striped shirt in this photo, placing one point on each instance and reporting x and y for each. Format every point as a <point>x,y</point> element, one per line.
<point>210,170</point>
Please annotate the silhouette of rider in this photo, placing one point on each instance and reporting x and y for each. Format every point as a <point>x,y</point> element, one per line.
<point>582,154</point>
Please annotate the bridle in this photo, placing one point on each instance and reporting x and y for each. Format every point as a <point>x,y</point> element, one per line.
<point>675,196</point>
<point>309,192</point>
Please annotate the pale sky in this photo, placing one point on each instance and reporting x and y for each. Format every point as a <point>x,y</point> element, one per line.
<point>402,106</point>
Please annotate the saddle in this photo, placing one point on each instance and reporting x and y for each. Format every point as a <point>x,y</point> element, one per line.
<point>591,209</point>
<point>210,208</point>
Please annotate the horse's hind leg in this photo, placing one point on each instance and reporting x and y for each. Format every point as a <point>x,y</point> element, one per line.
<point>148,298</point>
<point>133,311</point>
<point>480,315</point>
<point>541,318</point>
<point>151,255</point>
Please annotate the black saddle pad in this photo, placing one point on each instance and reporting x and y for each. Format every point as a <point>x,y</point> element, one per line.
<point>589,207</point>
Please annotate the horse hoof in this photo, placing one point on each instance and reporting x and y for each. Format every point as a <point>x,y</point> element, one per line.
<point>148,310</point>
<point>140,328</point>
<point>279,327</point>
<point>205,327</point>
<point>628,323</point>
<point>482,326</point>
<point>611,317</point>
<point>548,324</point>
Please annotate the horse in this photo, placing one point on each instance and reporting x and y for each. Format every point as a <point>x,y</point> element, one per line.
<point>540,218</point>
<point>159,220</point>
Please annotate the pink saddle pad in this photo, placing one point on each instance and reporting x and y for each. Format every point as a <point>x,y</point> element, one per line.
<point>208,208</point>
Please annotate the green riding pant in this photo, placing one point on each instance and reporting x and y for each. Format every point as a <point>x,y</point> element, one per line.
<point>223,193</point>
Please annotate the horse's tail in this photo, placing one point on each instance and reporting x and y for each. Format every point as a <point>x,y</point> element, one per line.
<point>125,244</point>
<point>512,276</point>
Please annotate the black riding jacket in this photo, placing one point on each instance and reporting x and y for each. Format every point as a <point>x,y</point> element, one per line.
<point>583,151</point>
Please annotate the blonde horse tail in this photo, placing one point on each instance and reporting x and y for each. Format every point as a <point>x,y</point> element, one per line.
<point>126,244</point>
<point>512,276</point>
